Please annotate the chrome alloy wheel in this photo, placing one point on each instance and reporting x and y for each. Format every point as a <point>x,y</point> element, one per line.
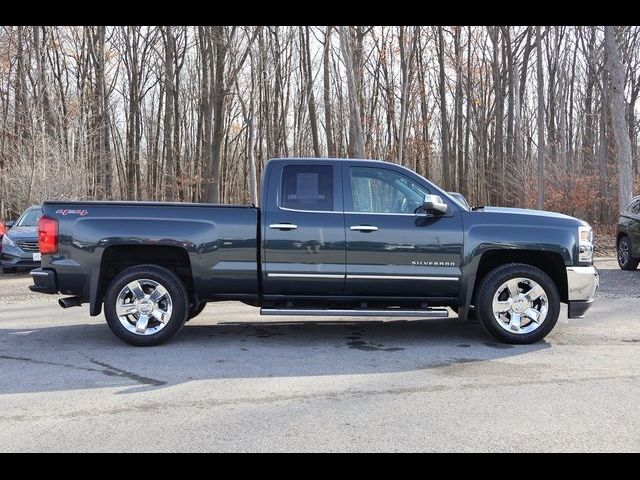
<point>520,305</point>
<point>144,307</point>
<point>623,252</point>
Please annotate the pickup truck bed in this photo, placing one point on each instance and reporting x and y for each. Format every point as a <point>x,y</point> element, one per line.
<point>216,244</point>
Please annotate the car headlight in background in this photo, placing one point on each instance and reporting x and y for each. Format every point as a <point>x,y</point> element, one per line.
<point>7,241</point>
<point>585,244</point>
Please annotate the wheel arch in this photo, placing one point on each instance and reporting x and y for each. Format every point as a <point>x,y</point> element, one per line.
<point>550,263</point>
<point>117,258</point>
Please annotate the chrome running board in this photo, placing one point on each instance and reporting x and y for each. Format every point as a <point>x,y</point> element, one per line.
<point>308,312</point>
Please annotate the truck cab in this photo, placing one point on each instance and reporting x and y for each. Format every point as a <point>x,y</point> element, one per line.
<point>358,229</point>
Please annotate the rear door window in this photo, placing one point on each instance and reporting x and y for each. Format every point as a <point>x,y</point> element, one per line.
<point>307,187</point>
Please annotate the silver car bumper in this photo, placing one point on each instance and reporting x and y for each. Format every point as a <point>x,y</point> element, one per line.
<point>582,283</point>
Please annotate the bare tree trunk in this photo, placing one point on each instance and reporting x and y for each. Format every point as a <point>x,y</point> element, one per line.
<point>444,122</point>
<point>248,115</point>
<point>603,148</point>
<point>311,101</point>
<point>588,139</point>
<point>407,51</point>
<point>570,141</point>
<point>217,100</point>
<point>424,164</point>
<point>458,109</point>
<point>169,165</point>
<point>100,100</point>
<point>467,130</point>
<point>206,53</point>
<point>178,62</point>
<point>618,118</point>
<point>326,69</point>
<point>43,91</point>
<point>498,152</point>
<point>541,149</point>
<point>511,79</point>
<point>354,100</point>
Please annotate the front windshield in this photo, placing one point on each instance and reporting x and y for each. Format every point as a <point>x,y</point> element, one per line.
<point>459,198</point>
<point>29,218</point>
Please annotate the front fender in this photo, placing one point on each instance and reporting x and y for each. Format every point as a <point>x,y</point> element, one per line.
<point>526,239</point>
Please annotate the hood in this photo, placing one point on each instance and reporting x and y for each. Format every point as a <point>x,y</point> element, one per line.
<point>23,233</point>
<point>531,213</point>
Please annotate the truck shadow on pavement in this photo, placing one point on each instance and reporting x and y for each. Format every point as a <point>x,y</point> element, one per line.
<point>89,356</point>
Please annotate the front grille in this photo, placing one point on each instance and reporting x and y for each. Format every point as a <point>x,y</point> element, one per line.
<point>27,246</point>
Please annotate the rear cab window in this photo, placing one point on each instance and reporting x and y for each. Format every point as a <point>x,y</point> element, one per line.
<point>307,187</point>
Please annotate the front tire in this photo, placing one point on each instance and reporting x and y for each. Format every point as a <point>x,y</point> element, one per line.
<point>195,310</point>
<point>626,260</point>
<point>518,303</point>
<point>146,305</point>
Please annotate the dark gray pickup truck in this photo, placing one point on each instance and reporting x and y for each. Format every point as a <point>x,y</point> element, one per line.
<point>331,238</point>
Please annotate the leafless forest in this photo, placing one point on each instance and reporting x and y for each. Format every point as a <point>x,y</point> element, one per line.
<point>515,116</point>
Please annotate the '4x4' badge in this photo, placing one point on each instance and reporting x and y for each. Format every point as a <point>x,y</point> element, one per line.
<point>82,213</point>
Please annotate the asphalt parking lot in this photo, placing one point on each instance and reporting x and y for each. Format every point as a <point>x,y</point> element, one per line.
<point>233,381</point>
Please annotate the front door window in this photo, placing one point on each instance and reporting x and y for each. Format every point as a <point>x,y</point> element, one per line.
<point>378,190</point>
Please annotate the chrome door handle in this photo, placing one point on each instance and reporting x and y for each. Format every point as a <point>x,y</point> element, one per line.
<point>283,226</point>
<point>364,228</point>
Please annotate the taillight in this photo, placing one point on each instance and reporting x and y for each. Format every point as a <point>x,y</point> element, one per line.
<point>47,235</point>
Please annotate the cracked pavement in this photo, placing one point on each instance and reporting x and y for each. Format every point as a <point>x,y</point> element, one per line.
<point>235,381</point>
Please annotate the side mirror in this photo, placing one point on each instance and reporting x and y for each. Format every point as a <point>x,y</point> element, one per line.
<point>10,224</point>
<point>433,204</point>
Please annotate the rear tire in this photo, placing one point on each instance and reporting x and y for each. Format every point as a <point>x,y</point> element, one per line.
<point>510,296</point>
<point>626,260</point>
<point>9,271</point>
<point>146,305</point>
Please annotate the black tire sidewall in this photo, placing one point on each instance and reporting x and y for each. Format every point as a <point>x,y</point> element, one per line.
<point>494,279</point>
<point>196,310</point>
<point>632,262</point>
<point>179,299</point>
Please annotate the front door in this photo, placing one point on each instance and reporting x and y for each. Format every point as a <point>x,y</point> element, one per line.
<point>304,248</point>
<point>392,250</point>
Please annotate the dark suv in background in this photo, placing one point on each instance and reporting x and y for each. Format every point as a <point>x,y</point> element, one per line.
<point>20,242</point>
<point>628,244</point>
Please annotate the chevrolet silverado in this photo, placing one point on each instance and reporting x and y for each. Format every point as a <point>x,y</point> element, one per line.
<point>332,237</point>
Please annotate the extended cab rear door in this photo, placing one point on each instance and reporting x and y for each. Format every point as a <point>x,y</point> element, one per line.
<point>392,251</point>
<point>303,229</point>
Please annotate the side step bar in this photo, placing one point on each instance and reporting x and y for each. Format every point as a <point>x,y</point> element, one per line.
<point>302,312</point>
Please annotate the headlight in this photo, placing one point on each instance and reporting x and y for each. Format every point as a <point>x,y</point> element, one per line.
<point>585,244</point>
<point>7,241</point>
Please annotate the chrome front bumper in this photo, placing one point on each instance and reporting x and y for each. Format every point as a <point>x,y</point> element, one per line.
<point>582,283</point>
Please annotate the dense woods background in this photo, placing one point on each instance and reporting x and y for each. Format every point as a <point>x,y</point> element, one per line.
<point>516,116</point>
